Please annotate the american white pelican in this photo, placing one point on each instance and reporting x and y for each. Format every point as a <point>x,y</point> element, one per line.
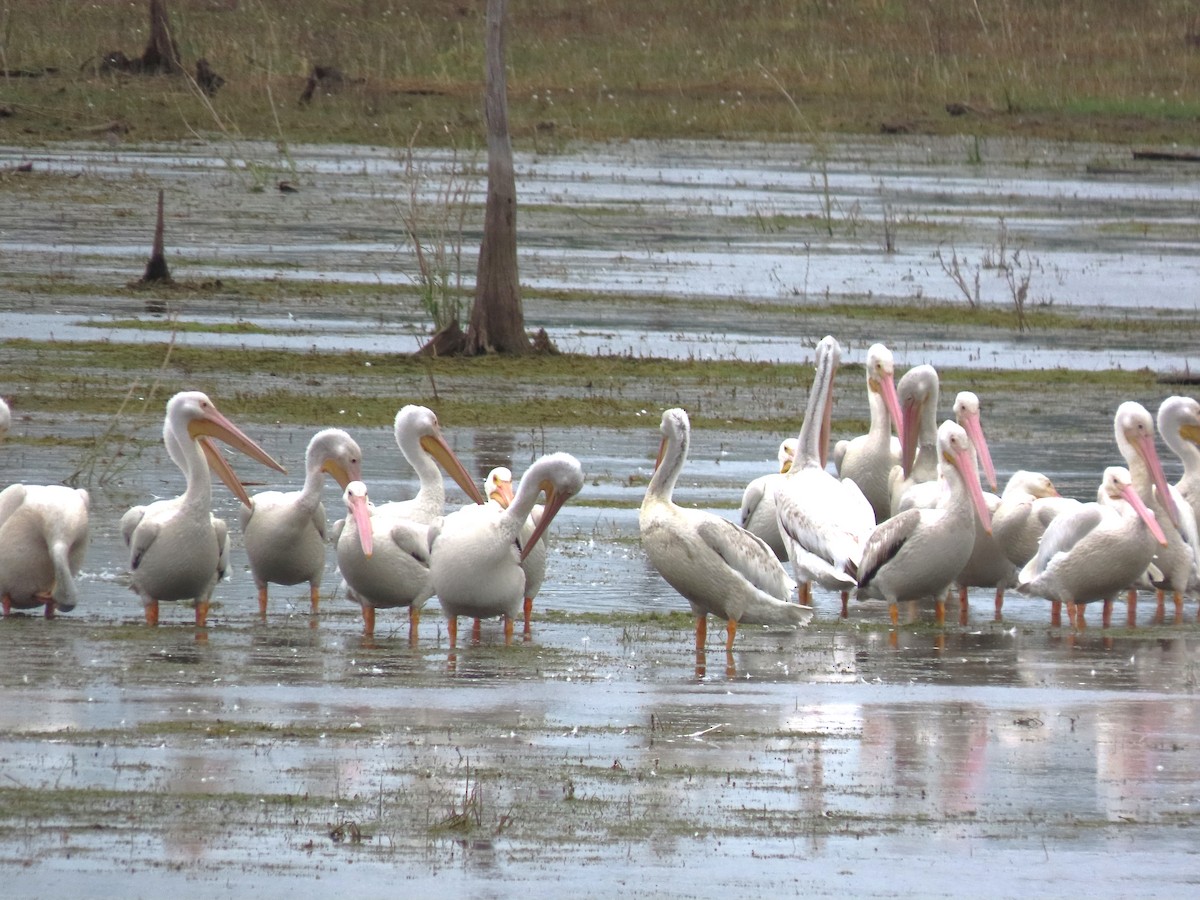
<point>1095,551</point>
<point>988,565</point>
<point>43,541</point>
<point>824,520</point>
<point>758,502</point>
<point>176,546</point>
<point>917,553</point>
<point>1179,425</point>
<point>918,393</point>
<point>284,533</point>
<point>498,488</point>
<point>383,559</point>
<point>868,459</point>
<point>475,553</point>
<point>1133,429</point>
<point>720,568</point>
<point>420,439</point>
<point>1029,503</point>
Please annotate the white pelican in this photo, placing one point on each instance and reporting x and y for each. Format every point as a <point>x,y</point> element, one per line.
<point>475,553</point>
<point>1133,429</point>
<point>1179,425</point>
<point>499,490</point>
<point>720,568</point>
<point>383,559</point>
<point>758,501</point>
<point>868,459</point>
<point>420,439</point>
<point>917,553</point>
<point>1095,551</point>
<point>824,520</point>
<point>988,565</point>
<point>284,533</point>
<point>918,393</point>
<point>1028,505</point>
<point>43,540</point>
<point>176,546</point>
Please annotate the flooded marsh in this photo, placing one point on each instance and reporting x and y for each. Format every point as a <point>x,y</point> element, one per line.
<point>603,755</point>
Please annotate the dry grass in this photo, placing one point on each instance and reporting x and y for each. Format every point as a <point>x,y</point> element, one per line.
<point>613,69</point>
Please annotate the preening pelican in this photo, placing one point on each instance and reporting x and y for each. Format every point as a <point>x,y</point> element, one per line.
<point>420,439</point>
<point>176,546</point>
<point>384,560</point>
<point>918,393</point>
<point>1029,504</point>
<point>758,502</point>
<point>1096,551</point>
<point>824,520</point>
<point>43,541</point>
<point>499,490</point>
<point>1133,429</point>
<point>868,459</point>
<point>475,553</point>
<point>918,553</point>
<point>285,533</point>
<point>720,568</point>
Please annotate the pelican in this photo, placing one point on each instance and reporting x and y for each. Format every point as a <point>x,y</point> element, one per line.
<point>1097,550</point>
<point>43,541</point>
<point>475,553</point>
<point>400,576</point>
<point>720,568</point>
<point>1179,425</point>
<point>284,533</point>
<point>918,393</point>
<point>420,439</point>
<point>499,491</point>
<point>824,521</point>
<point>1133,429</point>
<point>758,501</point>
<point>988,566</point>
<point>176,546</point>
<point>383,559</point>
<point>868,459</point>
<point>918,553</point>
<point>1028,505</point>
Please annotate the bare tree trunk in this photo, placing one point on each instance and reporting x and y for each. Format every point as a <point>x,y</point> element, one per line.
<point>161,53</point>
<point>497,320</point>
<point>156,268</point>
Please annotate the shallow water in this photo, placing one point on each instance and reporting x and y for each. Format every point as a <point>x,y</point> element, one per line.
<point>603,755</point>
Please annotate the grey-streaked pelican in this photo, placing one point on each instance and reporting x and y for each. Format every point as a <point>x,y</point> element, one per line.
<point>284,533</point>
<point>720,568</point>
<point>176,545</point>
<point>1095,551</point>
<point>758,501</point>
<point>475,553</point>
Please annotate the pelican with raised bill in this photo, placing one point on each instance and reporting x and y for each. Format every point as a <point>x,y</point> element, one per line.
<point>284,533</point>
<point>1097,550</point>
<point>868,459</point>
<point>475,553</point>
<point>824,520</point>
<point>177,546</point>
<point>758,501</point>
<point>720,568</point>
<point>916,554</point>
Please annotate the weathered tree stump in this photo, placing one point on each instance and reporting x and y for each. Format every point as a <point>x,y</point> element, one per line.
<point>156,269</point>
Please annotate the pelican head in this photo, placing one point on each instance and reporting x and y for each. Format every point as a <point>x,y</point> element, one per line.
<point>560,476</point>
<point>1133,430</point>
<point>956,450</point>
<point>417,431</point>
<point>881,380</point>
<point>918,398</point>
<point>966,413</point>
<point>337,454</point>
<point>787,455</point>
<point>498,486</point>
<point>359,508</point>
<point>1117,485</point>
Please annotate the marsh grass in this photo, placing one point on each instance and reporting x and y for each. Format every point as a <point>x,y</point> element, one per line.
<point>1084,69</point>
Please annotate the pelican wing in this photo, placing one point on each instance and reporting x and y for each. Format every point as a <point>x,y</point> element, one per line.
<point>746,554</point>
<point>320,522</point>
<point>823,517</point>
<point>1065,531</point>
<point>10,499</point>
<point>141,538</point>
<point>885,542</point>
<point>1188,529</point>
<point>130,521</point>
<point>752,497</point>
<point>412,538</point>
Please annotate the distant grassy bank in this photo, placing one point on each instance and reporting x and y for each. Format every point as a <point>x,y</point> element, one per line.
<point>1112,70</point>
